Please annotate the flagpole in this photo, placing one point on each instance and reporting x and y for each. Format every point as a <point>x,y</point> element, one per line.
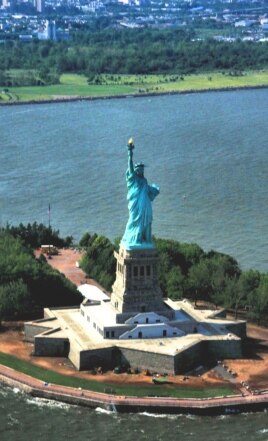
<point>49,229</point>
<point>49,215</point>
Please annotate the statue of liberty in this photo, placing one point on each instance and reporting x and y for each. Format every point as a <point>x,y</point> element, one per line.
<point>140,194</point>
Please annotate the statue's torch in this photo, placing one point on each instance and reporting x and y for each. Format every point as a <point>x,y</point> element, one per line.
<point>130,144</point>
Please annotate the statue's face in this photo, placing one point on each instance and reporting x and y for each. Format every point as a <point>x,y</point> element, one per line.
<point>139,171</point>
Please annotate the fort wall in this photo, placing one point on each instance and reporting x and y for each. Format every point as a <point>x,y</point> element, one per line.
<point>51,347</point>
<point>221,349</point>
<point>31,330</point>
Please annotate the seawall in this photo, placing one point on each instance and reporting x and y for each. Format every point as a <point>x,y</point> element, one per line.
<point>165,405</point>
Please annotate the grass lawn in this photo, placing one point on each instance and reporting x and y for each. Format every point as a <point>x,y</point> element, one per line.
<point>4,98</point>
<point>73,85</point>
<point>131,390</point>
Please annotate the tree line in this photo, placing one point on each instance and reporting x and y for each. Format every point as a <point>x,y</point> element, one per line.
<point>34,235</point>
<point>28,284</point>
<point>113,51</point>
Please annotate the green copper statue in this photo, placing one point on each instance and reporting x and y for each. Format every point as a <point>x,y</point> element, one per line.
<point>140,194</point>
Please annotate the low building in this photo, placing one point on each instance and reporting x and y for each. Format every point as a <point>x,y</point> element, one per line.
<point>90,337</point>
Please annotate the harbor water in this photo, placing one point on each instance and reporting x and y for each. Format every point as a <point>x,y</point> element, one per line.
<point>23,418</point>
<point>207,152</point>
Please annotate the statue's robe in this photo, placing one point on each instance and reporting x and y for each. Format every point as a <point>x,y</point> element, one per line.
<point>139,196</point>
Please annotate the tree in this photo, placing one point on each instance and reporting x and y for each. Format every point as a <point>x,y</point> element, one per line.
<point>29,284</point>
<point>3,78</point>
<point>258,300</point>
<point>87,239</point>
<point>98,261</point>
<point>175,280</point>
<point>207,280</point>
<point>198,281</point>
<point>36,235</point>
<point>233,294</point>
<point>15,299</point>
<point>192,253</point>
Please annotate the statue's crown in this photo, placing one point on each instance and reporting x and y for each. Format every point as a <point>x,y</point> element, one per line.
<point>139,165</point>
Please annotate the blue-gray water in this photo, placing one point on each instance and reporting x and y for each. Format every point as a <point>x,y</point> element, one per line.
<point>208,152</point>
<point>23,418</point>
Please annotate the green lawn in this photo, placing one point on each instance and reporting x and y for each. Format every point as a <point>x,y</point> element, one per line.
<point>73,85</point>
<point>130,390</point>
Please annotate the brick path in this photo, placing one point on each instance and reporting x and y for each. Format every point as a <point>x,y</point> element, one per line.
<point>65,262</point>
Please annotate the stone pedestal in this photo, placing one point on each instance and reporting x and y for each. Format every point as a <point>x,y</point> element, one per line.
<point>136,287</point>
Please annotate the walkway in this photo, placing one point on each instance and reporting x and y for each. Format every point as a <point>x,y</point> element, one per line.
<point>67,263</point>
<point>34,387</point>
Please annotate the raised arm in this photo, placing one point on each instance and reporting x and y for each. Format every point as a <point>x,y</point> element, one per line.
<point>130,156</point>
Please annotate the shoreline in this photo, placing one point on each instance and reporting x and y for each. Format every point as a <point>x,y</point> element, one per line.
<point>75,98</point>
<point>232,404</point>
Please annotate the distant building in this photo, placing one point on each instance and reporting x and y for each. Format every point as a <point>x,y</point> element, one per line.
<point>25,37</point>
<point>39,5</point>
<point>9,5</point>
<point>244,23</point>
<point>49,32</point>
<point>263,21</point>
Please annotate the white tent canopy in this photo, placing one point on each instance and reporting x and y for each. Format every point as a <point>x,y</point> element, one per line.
<point>92,292</point>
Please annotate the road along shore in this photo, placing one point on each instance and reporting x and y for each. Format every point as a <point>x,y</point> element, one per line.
<point>164,405</point>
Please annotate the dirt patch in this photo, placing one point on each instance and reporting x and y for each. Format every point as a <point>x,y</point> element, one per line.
<point>254,369</point>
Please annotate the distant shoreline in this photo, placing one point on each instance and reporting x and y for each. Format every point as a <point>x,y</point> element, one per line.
<point>66,99</point>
